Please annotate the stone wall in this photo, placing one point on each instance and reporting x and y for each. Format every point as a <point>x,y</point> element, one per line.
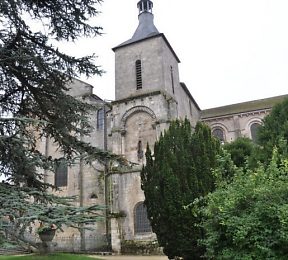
<point>156,59</point>
<point>237,125</point>
<point>84,181</point>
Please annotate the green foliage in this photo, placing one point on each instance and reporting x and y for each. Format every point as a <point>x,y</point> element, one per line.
<point>56,211</point>
<point>247,218</point>
<point>178,173</point>
<point>44,229</point>
<point>34,103</point>
<point>274,131</point>
<point>240,150</point>
<point>225,169</point>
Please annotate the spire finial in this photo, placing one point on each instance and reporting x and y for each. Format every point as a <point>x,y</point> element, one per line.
<point>145,6</point>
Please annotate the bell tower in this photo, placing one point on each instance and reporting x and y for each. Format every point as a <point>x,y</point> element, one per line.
<point>143,63</point>
<point>148,96</point>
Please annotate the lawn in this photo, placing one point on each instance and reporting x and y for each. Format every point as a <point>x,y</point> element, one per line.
<point>49,257</point>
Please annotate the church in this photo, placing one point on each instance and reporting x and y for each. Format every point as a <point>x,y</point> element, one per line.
<point>148,95</point>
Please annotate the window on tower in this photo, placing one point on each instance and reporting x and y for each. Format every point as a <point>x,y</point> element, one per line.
<point>190,108</point>
<point>172,79</point>
<point>138,67</point>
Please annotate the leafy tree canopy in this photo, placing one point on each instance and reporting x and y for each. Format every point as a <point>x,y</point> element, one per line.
<point>244,152</point>
<point>179,171</point>
<point>247,218</point>
<point>34,103</point>
<point>240,150</point>
<point>274,131</point>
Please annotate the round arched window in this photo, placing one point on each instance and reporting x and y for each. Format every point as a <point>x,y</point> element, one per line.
<point>141,221</point>
<point>254,131</point>
<point>219,133</point>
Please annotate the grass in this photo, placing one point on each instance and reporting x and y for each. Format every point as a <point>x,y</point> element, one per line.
<point>57,256</point>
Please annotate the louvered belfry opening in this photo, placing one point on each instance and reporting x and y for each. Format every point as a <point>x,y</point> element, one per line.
<point>138,74</point>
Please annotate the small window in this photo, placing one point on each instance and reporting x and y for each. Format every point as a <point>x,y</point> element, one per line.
<point>219,133</point>
<point>61,173</point>
<point>190,108</point>
<point>138,74</point>
<point>254,131</point>
<point>93,196</point>
<point>140,152</point>
<point>172,79</point>
<point>141,221</point>
<point>100,119</point>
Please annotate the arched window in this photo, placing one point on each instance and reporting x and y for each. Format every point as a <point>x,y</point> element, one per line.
<point>254,130</point>
<point>61,173</point>
<point>219,133</point>
<point>138,67</point>
<point>100,119</point>
<point>141,221</point>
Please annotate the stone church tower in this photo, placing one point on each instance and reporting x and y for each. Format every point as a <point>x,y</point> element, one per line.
<point>148,96</point>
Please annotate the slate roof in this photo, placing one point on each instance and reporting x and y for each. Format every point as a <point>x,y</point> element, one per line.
<point>145,29</point>
<point>260,104</point>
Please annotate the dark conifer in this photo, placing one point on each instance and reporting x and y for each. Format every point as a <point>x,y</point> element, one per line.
<point>34,103</point>
<point>179,172</point>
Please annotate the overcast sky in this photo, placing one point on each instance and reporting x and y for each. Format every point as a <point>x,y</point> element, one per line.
<point>230,50</point>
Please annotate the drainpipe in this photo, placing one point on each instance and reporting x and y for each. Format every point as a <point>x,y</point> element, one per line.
<point>46,155</point>
<point>106,181</point>
<point>81,199</point>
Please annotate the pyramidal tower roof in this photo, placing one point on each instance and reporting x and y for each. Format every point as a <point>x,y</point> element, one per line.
<point>146,27</point>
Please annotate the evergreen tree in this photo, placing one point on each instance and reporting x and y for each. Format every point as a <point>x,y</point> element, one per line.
<point>179,172</point>
<point>34,103</point>
<point>274,132</point>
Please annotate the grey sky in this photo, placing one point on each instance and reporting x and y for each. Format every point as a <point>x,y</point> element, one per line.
<point>230,50</point>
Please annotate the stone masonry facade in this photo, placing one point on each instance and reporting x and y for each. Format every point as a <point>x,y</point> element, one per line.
<point>148,95</point>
